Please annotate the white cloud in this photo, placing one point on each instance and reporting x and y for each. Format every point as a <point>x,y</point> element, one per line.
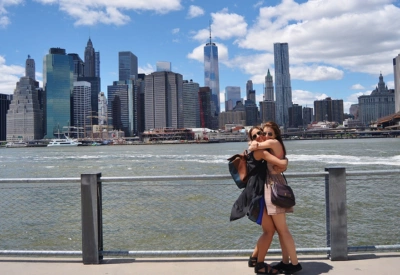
<point>175,31</point>
<point>91,12</point>
<point>195,11</point>
<point>198,53</point>
<point>357,87</point>
<point>224,26</point>
<point>148,69</point>
<point>4,4</point>
<point>315,72</point>
<point>9,76</point>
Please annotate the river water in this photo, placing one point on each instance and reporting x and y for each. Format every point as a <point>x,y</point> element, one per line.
<point>373,202</point>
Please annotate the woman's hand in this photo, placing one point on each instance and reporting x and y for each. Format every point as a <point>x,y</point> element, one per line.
<point>253,146</point>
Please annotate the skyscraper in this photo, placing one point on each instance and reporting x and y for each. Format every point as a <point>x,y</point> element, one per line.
<point>283,88</point>
<point>127,66</point>
<point>396,69</point>
<point>269,87</point>
<point>211,74</point>
<point>58,80</point>
<point>249,87</point>
<point>190,99</point>
<point>24,117</point>
<point>232,96</point>
<point>163,100</point>
<point>5,101</point>
<point>82,108</point>
<point>90,60</point>
<point>30,68</point>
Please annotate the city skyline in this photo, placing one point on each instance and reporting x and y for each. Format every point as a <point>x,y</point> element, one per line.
<point>327,39</point>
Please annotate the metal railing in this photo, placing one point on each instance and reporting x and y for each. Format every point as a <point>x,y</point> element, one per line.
<point>188,215</point>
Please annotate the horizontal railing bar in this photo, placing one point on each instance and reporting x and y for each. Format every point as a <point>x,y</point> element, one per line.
<point>185,177</point>
<point>190,252</point>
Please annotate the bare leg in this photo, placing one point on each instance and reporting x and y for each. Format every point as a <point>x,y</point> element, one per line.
<point>285,237</point>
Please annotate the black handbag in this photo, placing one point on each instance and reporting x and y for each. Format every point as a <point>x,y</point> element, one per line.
<point>282,195</point>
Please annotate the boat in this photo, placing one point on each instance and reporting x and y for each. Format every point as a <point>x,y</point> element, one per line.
<point>16,144</point>
<point>58,142</point>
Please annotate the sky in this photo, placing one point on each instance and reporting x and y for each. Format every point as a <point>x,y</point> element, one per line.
<point>337,48</point>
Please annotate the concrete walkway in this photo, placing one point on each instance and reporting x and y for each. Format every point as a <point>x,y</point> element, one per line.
<point>363,264</point>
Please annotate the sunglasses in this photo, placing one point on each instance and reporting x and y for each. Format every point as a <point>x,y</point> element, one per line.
<point>259,133</point>
<point>269,134</point>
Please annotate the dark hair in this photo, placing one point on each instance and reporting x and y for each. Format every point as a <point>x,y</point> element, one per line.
<point>251,130</point>
<point>277,132</point>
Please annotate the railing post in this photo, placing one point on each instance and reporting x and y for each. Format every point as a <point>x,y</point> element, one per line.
<point>92,233</point>
<point>337,213</point>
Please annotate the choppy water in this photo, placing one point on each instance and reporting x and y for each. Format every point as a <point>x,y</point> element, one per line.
<point>152,208</point>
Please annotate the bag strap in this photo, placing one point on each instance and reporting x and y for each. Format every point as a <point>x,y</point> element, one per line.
<point>284,178</point>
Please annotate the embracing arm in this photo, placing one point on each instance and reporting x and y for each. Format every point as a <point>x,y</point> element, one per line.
<point>254,145</point>
<point>268,157</point>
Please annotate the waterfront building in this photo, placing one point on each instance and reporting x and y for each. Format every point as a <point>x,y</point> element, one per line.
<point>127,66</point>
<point>95,84</point>
<point>283,88</point>
<point>269,88</point>
<point>329,110</point>
<point>267,111</point>
<point>205,107</point>
<point>232,96</point>
<point>251,110</point>
<point>24,117</point>
<point>103,110</point>
<point>396,72</point>
<point>380,103</point>
<point>295,116</point>
<point>191,106</point>
<point>163,100</point>
<point>211,74</point>
<point>82,118</point>
<point>140,87</point>
<point>232,117</point>
<point>354,110</point>
<point>5,101</point>
<point>122,107</point>
<point>90,60</point>
<point>307,115</point>
<point>163,66</point>
<point>58,81</point>
<point>97,64</point>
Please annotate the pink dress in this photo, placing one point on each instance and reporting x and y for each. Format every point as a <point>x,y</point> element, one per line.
<point>272,209</point>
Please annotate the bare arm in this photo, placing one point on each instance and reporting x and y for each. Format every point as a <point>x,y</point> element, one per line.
<point>268,157</point>
<point>254,145</point>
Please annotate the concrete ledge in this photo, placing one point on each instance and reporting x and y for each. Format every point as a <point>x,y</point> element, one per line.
<point>365,264</point>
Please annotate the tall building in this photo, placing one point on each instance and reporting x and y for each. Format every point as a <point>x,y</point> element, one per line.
<point>307,116</point>
<point>249,87</point>
<point>269,87</point>
<point>396,70</point>
<point>122,107</point>
<point>163,100</point>
<point>5,101</point>
<point>97,64</point>
<point>127,66</point>
<point>329,110</point>
<point>205,107</point>
<point>102,109</point>
<point>58,79</point>
<point>211,73</point>
<point>25,116</point>
<point>163,66</point>
<point>267,111</point>
<point>30,69</point>
<point>90,60</point>
<point>82,108</point>
<point>79,66</point>
<point>191,109</point>
<point>251,113</point>
<point>296,116</point>
<point>380,103</point>
<point>232,96</point>
<point>283,88</point>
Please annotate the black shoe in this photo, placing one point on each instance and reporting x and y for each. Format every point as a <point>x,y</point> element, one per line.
<point>295,268</point>
<point>282,267</point>
<point>252,261</point>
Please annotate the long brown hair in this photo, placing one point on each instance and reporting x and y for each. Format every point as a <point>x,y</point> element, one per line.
<point>277,131</point>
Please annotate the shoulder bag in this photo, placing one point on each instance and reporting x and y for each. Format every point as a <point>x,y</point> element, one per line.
<point>282,195</point>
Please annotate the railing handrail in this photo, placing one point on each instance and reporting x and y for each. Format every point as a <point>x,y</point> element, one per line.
<point>186,177</point>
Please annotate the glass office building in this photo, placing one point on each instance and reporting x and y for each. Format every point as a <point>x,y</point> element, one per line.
<point>58,82</point>
<point>127,66</point>
<point>211,73</point>
<point>283,87</point>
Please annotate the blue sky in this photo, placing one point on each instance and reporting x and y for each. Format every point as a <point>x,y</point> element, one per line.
<point>337,48</point>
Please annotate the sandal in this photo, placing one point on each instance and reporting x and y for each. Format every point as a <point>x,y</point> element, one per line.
<point>267,269</point>
<point>282,267</point>
<point>252,261</point>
